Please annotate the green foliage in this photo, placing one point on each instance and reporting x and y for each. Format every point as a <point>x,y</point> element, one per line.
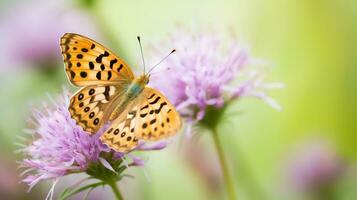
<point>99,171</point>
<point>69,192</point>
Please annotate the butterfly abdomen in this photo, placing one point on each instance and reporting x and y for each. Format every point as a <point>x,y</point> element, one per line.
<point>132,92</point>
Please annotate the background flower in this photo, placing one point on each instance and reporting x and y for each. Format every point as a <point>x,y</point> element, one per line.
<point>31,32</point>
<point>208,69</point>
<point>315,167</point>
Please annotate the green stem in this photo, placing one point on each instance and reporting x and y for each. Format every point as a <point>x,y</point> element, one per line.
<point>116,191</point>
<point>224,167</point>
<point>248,177</point>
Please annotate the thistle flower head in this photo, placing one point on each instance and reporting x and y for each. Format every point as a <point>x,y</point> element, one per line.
<point>60,147</point>
<point>203,72</point>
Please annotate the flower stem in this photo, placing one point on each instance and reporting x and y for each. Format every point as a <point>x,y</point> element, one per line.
<point>227,178</point>
<point>116,191</point>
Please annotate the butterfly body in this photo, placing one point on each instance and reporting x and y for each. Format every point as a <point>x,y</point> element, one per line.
<point>137,86</point>
<point>111,94</point>
<point>131,92</point>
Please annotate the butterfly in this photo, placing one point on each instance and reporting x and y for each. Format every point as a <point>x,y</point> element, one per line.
<point>111,93</point>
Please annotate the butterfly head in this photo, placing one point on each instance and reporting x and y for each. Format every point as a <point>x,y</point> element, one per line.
<point>143,79</point>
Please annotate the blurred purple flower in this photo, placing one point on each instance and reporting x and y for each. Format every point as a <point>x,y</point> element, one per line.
<point>31,31</point>
<point>203,71</point>
<point>60,147</point>
<point>314,166</point>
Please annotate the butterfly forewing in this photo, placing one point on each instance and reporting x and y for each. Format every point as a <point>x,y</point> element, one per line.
<point>89,63</point>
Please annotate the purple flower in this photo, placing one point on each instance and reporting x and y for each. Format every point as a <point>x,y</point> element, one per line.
<point>31,31</point>
<point>208,71</point>
<point>313,166</point>
<point>60,147</point>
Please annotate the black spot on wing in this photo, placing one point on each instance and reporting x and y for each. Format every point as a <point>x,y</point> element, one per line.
<point>151,96</point>
<point>72,74</point>
<point>91,91</point>
<point>80,96</point>
<point>83,74</point>
<point>91,115</point>
<point>144,107</point>
<point>120,67</point>
<point>109,75</point>
<point>153,121</point>
<point>91,65</point>
<point>145,125</point>
<point>99,75</point>
<point>106,93</point>
<point>68,56</point>
<point>112,62</point>
<point>100,57</point>
<point>155,101</point>
<point>161,106</point>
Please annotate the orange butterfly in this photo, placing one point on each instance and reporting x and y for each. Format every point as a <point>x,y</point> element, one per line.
<point>111,92</point>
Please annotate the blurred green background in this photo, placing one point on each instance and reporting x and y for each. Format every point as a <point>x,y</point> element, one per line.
<point>311,46</point>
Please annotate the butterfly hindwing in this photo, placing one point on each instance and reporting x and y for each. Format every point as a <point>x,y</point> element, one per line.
<point>90,63</point>
<point>158,117</point>
<point>90,107</point>
<point>150,117</point>
<point>121,135</point>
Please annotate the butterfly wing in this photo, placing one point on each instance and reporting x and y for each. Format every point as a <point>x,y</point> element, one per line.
<point>121,136</point>
<point>103,75</point>
<point>158,117</point>
<point>90,63</point>
<point>90,107</point>
<point>150,117</point>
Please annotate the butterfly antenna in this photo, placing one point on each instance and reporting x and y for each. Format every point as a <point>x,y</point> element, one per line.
<point>141,51</point>
<point>152,68</point>
<point>164,70</point>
